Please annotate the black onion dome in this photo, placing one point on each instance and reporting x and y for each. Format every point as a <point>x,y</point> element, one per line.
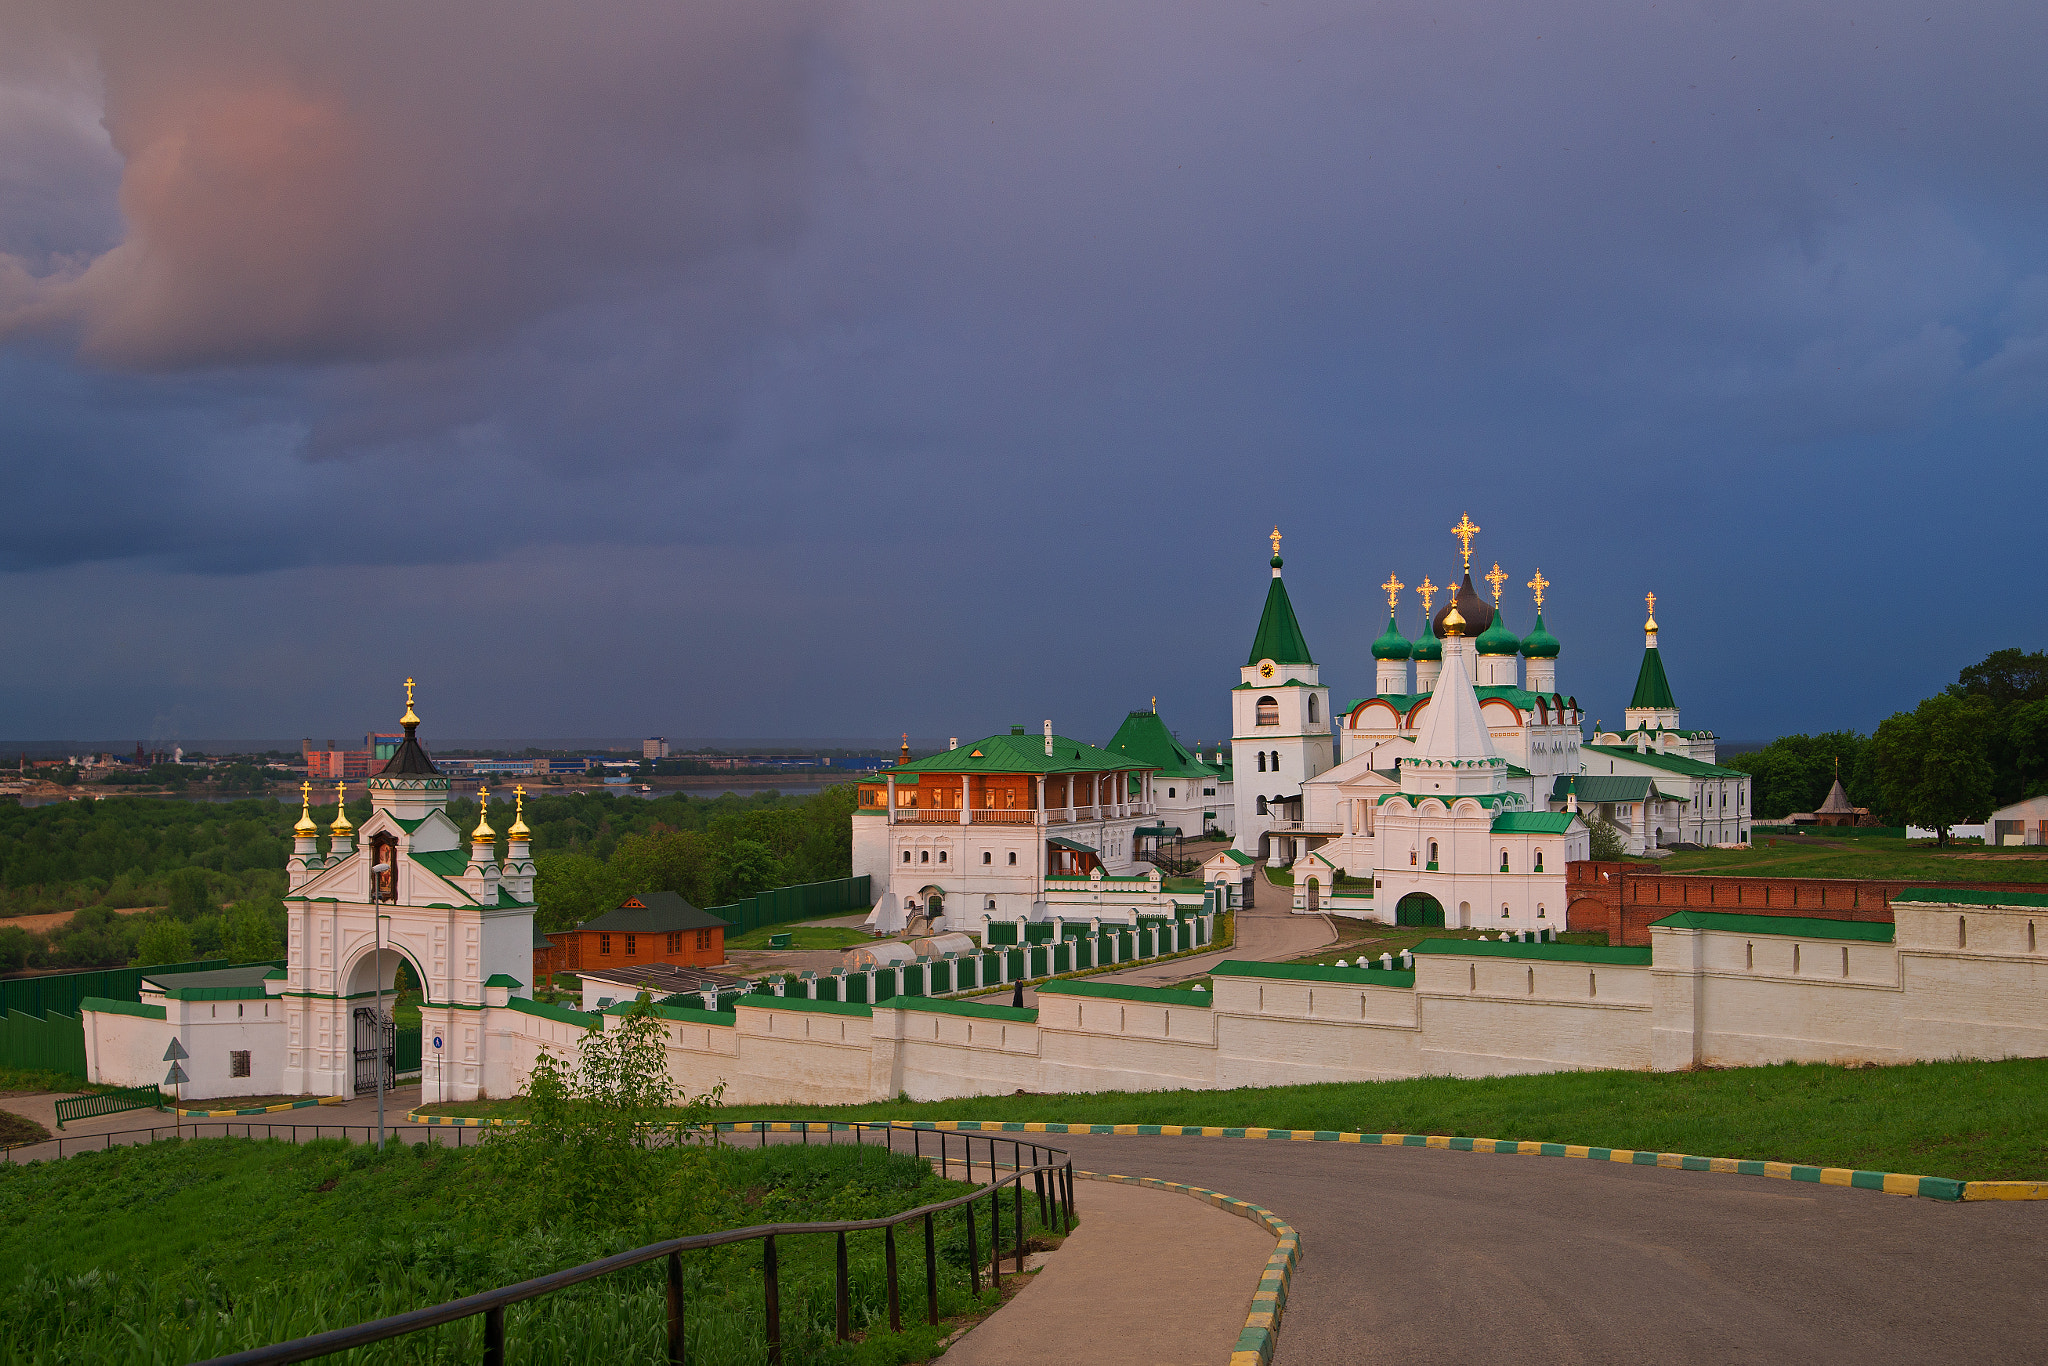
<point>1476,610</point>
<point>411,757</point>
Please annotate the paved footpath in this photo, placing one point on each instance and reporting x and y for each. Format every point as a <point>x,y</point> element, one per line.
<point>1194,1265</point>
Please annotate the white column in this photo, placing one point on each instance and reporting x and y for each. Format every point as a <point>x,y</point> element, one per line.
<point>892,799</point>
<point>965,800</point>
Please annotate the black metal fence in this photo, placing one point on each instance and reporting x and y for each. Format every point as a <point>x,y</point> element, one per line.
<point>1053,1189</point>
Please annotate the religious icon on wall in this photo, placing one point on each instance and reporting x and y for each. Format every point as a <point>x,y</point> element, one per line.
<point>383,868</point>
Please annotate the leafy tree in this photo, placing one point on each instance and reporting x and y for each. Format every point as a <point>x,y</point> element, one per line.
<point>17,948</point>
<point>1930,763</point>
<point>164,940</point>
<point>1606,844</point>
<point>745,867</point>
<point>679,861</point>
<point>188,893</point>
<point>1794,772</point>
<point>251,933</point>
<point>571,888</point>
<point>2006,677</point>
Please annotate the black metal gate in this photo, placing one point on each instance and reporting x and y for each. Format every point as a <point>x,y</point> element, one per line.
<point>376,1046</point>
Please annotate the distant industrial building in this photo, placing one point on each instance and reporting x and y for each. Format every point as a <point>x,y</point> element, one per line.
<point>654,747</point>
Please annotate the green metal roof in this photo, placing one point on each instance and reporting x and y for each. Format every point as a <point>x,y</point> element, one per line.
<point>1392,644</point>
<point>1117,991</point>
<point>1279,638</point>
<point>443,862</point>
<point>1144,738</point>
<point>1791,926</point>
<point>1560,953</point>
<point>1315,972</point>
<point>1532,823</point>
<point>1670,763</point>
<point>1968,896</point>
<point>972,1009</point>
<point>1060,842</point>
<point>1653,690</point>
<point>1497,639</point>
<point>1539,643</point>
<point>502,979</point>
<point>656,913</point>
<point>1018,752</point>
<point>1614,788</point>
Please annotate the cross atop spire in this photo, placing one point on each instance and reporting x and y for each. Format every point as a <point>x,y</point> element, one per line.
<point>1536,586</point>
<point>1275,538</point>
<point>1496,578</point>
<point>1392,588</point>
<point>1428,592</point>
<point>1650,602</point>
<point>410,718</point>
<point>1465,531</point>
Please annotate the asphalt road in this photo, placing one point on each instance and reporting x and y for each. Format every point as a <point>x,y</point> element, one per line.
<point>1419,1256</point>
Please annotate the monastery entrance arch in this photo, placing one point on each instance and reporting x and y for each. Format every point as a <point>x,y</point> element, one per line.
<point>373,1034</point>
<point>1419,909</point>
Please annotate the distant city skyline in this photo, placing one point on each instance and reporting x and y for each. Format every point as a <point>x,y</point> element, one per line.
<point>861,369</point>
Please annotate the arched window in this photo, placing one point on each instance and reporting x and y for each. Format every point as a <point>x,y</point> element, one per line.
<point>924,856</point>
<point>1539,860</point>
<point>1169,793</point>
<point>987,857</point>
<point>1503,860</point>
<point>1268,713</point>
<point>1262,761</point>
<point>906,856</point>
<point>1539,910</point>
<point>991,903</point>
<point>942,856</point>
<point>1262,806</point>
<point>1274,759</point>
<point>1504,911</point>
<point>1432,853</point>
<point>1311,709</point>
<point>1013,858</point>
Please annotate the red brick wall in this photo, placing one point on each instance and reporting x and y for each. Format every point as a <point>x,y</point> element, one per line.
<point>1624,899</point>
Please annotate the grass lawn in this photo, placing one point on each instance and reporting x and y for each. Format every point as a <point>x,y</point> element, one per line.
<point>802,937</point>
<point>204,1247</point>
<point>18,1079</point>
<point>1970,1120</point>
<point>1889,857</point>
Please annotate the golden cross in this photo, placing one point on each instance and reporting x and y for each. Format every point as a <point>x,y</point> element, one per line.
<point>408,692</point>
<point>1393,587</point>
<point>1428,591</point>
<point>1276,541</point>
<point>1496,578</point>
<point>340,793</point>
<point>1650,601</point>
<point>1537,585</point>
<point>305,794</point>
<point>1465,531</point>
<point>519,802</point>
<point>483,794</point>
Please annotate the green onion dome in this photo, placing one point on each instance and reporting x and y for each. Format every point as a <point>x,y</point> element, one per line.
<point>1427,646</point>
<point>1392,645</point>
<point>1497,639</point>
<point>1539,643</point>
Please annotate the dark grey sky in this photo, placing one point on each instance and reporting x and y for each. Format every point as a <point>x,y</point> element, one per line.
<point>821,369</point>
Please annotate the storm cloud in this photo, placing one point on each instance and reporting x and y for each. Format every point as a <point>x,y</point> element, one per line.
<point>1007,332</point>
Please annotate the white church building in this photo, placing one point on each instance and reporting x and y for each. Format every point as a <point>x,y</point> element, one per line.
<point>1461,787</point>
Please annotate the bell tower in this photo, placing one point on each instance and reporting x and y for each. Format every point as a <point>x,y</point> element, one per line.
<point>1280,729</point>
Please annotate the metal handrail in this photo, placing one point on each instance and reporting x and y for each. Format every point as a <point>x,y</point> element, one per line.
<point>1055,1193</point>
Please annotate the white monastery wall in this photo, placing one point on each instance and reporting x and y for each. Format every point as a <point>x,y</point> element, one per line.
<point>1486,1017</point>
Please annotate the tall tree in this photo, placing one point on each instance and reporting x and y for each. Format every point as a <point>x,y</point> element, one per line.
<point>1930,763</point>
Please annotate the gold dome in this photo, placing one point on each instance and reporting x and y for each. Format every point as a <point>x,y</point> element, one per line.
<point>518,830</point>
<point>341,826</point>
<point>483,834</point>
<point>305,829</point>
<point>410,718</point>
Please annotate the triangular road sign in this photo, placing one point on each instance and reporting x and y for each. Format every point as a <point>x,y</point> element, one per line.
<point>175,1075</point>
<point>175,1052</point>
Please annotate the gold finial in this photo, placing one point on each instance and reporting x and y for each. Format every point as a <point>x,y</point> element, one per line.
<point>1155,706</point>
<point>1465,531</point>
<point>518,830</point>
<point>410,718</point>
<point>1275,538</point>
<point>483,834</point>
<point>1496,578</point>
<point>1428,591</point>
<point>305,829</point>
<point>1536,586</point>
<point>341,826</point>
<point>1650,602</point>
<point>1392,588</point>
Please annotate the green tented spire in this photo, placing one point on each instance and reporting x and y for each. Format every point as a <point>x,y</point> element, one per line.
<point>1653,690</point>
<point>1279,638</point>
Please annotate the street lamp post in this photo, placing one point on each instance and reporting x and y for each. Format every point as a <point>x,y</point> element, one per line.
<point>377,972</point>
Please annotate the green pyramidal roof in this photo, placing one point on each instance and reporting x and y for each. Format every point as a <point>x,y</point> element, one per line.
<point>1145,738</point>
<point>1653,690</point>
<point>1279,638</point>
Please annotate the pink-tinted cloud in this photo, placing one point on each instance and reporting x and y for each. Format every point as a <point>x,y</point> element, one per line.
<point>312,183</point>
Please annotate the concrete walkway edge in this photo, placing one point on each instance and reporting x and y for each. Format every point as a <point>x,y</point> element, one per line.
<point>1261,1326</point>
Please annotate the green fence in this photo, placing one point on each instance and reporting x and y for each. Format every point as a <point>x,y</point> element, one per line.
<point>109,1103</point>
<point>48,1043</point>
<point>60,992</point>
<point>406,1050</point>
<point>805,901</point>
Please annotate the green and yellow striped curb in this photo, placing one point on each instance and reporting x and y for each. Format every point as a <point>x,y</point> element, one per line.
<point>1261,1326</point>
<point>261,1109</point>
<point>1893,1183</point>
<point>459,1121</point>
